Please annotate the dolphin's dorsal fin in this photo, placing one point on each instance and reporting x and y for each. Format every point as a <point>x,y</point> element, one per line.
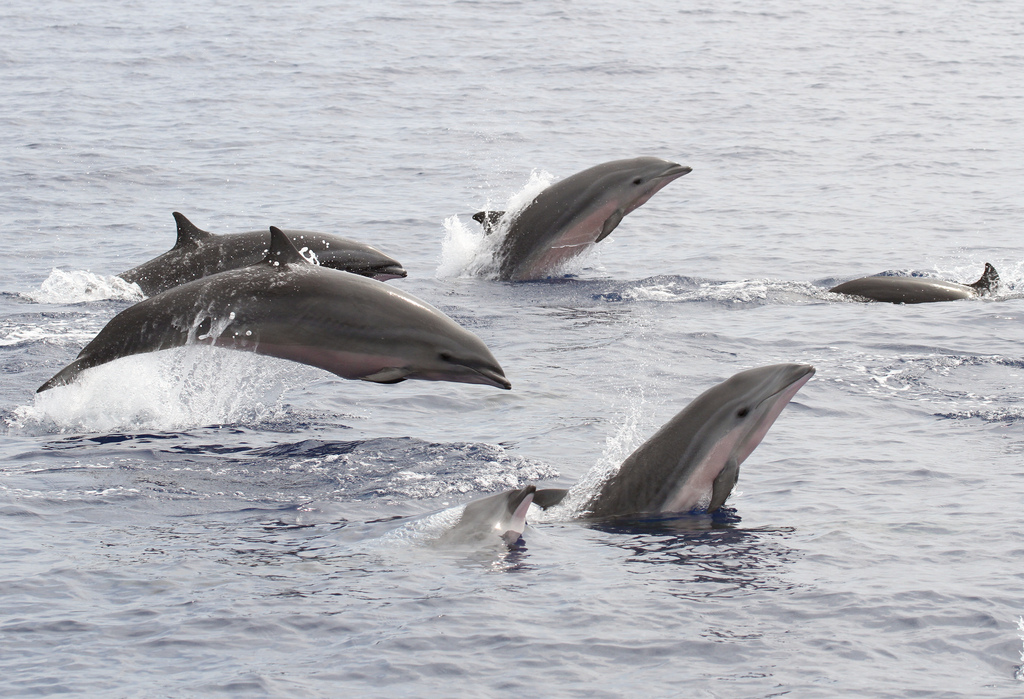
<point>549,497</point>
<point>989,281</point>
<point>188,232</point>
<point>488,219</point>
<point>282,251</point>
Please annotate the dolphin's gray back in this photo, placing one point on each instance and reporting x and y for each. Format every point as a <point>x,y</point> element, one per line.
<point>905,289</point>
<point>218,253</point>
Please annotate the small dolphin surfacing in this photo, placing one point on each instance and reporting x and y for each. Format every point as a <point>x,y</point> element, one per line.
<point>198,253</point>
<point>918,289</point>
<point>286,307</point>
<point>573,214</point>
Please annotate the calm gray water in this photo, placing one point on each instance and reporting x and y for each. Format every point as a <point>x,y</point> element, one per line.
<point>201,522</point>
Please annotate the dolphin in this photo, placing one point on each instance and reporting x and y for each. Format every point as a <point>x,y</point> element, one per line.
<point>918,289</point>
<point>284,306</point>
<point>198,253</point>
<point>495,518</point>
<point>573,214</point>
<point>693,462</point>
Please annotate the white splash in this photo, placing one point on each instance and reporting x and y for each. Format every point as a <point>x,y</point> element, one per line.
<point>467,251</point>
<point>618,446</point>
<point>1019,675</point>
<point>171,390</point>
<point>78,286</point>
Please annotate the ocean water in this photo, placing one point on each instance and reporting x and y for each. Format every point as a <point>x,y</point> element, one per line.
<point>202,522</point>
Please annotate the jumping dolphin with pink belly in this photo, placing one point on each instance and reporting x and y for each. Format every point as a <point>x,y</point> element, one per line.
<point>573,214</point>
<point>693,462</point>
<point>198,253</point>
<point>286,307</point>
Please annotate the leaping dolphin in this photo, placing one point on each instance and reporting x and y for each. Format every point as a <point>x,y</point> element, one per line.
<point>286,307</point>
<point>573,214</point>
<point>692,463</point>
<point>918,289</point>
<point>198,253</point>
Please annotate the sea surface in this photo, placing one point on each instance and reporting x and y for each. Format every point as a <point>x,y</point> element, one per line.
<point>203,522</point>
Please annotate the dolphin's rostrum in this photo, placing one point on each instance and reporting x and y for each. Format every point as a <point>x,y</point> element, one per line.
<point>283,306</point>
<point>198,253</point>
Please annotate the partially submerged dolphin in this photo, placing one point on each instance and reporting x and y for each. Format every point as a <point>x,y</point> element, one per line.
<point>495,518</point>
<point>198,253</point>
<point>918,289</point>
<point>286,307</point>
<point>692,463</point>
<point>571,215</point>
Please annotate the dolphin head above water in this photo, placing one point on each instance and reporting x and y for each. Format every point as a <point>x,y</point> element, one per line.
<point>495,518</point>
<point>572,214</point>
<point>692,462</point>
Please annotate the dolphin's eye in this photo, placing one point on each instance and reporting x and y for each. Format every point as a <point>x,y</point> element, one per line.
<point>742,412</point>
<point>445,357</point>
<point>638,180</point>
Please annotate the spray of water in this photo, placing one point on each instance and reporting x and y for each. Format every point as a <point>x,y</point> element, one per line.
<point>469,252</point>
<point>172,390</point>
<point>78,286</point>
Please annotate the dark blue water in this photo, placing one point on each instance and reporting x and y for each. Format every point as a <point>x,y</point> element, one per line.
<point>201,522</point>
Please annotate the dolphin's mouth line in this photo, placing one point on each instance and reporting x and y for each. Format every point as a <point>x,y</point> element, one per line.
<point>493,377</point>
<point>677,171</point>
<point>793,386</point>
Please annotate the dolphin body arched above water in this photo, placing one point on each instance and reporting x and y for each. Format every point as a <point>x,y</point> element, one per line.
<point>198,253</point>
<point>573,214</point>
<point>286,307</point>
<point>693,462</point>
<point>918,289</point>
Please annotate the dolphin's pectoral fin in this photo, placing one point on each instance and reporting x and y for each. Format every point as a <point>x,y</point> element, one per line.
<point>282,250</point>
<point>188,232</point>
<point>614,220</point>
<point>722,486</point>
<point>488,219</point>
<point>989,281</point>
<point>392,374</point>
<point>549,497</point>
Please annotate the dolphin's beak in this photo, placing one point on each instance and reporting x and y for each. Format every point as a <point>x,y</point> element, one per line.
<point>675,171</point>
<point>493,377</point>
<point>389,272</point>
